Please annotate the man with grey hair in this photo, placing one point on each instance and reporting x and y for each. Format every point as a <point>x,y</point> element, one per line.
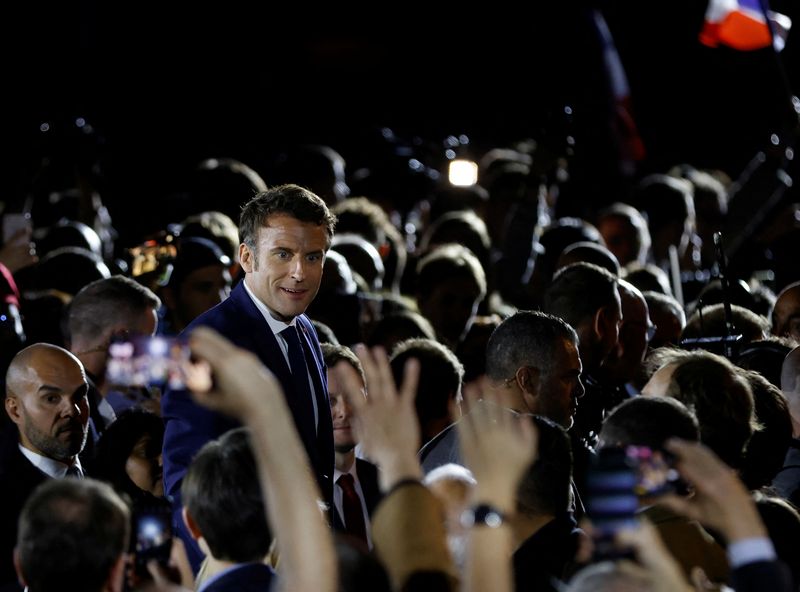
<point>533,366</point>
<point>587,297</point>
<point>104,309</point>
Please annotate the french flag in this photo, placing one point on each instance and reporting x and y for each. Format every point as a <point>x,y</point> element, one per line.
<point>745,25</point>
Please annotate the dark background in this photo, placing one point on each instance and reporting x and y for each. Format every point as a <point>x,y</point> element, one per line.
<point>168,84</point>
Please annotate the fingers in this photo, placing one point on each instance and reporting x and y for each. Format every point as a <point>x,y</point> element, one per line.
<point>351,386</point>
<point>653,555</point>
<point>158,573</point>
<point>701,467</point>
<point>679,505</point>
<point>528,434</point>
<point>408,390</point>
<point>700,580</point>
<point>209,345</point>
<point>180,561</point>
<point>197,376</point>
<point>472,393</point>
<point>380,381</point>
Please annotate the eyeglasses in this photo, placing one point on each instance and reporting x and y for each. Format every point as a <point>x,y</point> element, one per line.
<point>650,331</point>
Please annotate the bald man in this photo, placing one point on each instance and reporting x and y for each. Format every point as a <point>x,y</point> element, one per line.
<point>787,482</point>
<point>786,314</point>
<point>625,362</point>
<point>46,392</point>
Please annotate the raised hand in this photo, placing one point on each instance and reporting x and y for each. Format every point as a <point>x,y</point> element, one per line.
<point>498,446</point>
<point>721,500</point>
<point>386,420</point>
<point>240,381</point>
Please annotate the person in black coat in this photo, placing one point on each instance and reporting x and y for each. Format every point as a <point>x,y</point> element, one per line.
<point>46,399</point>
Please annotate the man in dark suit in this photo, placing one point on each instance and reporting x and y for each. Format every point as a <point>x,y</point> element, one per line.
<point>46,398</point>
<point>356,491</point>
<point>285,233</point>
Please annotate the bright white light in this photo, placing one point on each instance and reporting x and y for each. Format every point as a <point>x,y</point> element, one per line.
<point>150,529</point>
<point>158,347</point>
<point>463,173</point>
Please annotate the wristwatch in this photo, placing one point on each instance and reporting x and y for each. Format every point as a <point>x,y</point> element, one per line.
<point>482,515</point>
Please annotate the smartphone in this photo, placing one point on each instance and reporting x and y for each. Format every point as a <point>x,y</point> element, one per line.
<point>656,474</point>
<point>146,361</point>
<point>13,222</point>
<point>618,482</point>
<point>151,536</point>
<point>611,499</point>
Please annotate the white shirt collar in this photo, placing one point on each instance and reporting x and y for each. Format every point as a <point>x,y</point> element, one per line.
<point>275,325</point>
<point>48,466</point>
<point>337,473</point>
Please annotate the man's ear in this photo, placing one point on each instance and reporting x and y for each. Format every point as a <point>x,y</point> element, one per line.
<point>246,258</point>
<point>116,578</point>
<point>12,409</point>
<point>191,525</point>
<point>600,323</point>
<point>528,379</point>
<point>18,568</point>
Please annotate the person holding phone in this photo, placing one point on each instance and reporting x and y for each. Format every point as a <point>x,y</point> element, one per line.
<point>286,232</point>
<point>100,312</point>
<point>650,422</point>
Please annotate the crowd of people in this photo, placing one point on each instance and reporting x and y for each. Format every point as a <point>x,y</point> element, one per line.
<point>402,396</point>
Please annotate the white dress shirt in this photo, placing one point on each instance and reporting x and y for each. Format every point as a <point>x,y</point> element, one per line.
<point>276,327</point>
<point>48,466</point>
<point>338,495</point>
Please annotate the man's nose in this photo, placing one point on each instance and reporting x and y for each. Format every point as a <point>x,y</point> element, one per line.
<point>299,270</point>
<point>342,410</point>
<point>71,409</point>
<point>579,389</point>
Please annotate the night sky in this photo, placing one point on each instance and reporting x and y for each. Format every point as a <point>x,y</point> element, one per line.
<point>168,85</point>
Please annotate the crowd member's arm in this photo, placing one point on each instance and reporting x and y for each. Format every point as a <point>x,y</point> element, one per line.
<point>498,447</point>
<point>654,557</point>
<point>244,389</point>
<point>722,502</point>
<point>407,527</point>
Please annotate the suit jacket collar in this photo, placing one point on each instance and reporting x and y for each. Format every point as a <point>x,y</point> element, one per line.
<point>245,577</point>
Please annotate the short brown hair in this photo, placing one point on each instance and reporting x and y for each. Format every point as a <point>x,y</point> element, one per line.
<point>291,200</point>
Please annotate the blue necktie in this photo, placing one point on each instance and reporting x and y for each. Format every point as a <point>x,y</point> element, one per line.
<point>302,401</point>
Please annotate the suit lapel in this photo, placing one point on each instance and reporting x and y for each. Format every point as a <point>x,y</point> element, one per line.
<point>368,478</point>
<point>255,333</point>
